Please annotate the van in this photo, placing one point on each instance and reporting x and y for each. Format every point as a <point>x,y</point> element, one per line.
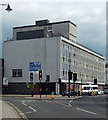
<point>89,89</point>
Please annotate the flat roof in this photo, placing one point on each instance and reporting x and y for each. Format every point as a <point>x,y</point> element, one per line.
<point>68,21</point>
<point>83,48</point>
<point>70,42</point>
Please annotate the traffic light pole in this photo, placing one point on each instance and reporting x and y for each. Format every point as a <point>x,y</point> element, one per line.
<point>40,89</point>
<point>69,75</point>
<point>74,89</point>
<point>46,88</point>
<point>69,83</point>
<point>40,78</point>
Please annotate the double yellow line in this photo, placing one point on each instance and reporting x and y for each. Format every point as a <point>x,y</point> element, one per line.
<point>18,111</point>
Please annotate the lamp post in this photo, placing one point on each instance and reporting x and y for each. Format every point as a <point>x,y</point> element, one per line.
<point>69,75</point>
<point>106,66</point>
<point>8,7</point>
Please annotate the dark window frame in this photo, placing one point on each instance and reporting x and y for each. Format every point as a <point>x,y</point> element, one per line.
<point>16,72</point>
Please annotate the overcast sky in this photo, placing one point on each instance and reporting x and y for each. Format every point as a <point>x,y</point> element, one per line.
<point>89,16</point>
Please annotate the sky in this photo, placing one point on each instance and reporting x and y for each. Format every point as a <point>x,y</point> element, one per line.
<point>88,15</point>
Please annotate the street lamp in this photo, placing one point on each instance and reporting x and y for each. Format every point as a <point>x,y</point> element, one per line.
<point>8,7</point>
<point>106,66</point>
<point>69,74</point>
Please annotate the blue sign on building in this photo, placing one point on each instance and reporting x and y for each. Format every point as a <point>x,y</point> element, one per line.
<point>34,66</point>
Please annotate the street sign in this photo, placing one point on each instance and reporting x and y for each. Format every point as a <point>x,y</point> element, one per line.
<point>5,81</point>
<point>34,66</point>
<point>30,85</point>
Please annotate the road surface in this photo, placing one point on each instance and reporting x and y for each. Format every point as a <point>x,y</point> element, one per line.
<point>85,107</point>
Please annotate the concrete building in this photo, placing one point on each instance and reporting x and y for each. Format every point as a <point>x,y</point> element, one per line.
<point>52,48</point>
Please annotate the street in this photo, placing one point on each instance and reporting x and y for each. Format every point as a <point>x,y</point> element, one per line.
<point>85,107</point>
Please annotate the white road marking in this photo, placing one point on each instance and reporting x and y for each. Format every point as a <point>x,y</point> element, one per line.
<point>48,101</point>
<point>29,100</point>
<point>24,104</point>
<point>69,103</point>
<point>22,101</point>
<point>28,112</point>
<point>86,111</point>
<point>32,108</point>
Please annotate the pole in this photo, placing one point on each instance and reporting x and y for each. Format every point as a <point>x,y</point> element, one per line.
<point>46,88</point>
<point>106,66</point>
<point>69,75</point>
<point>81,86</point>
<point>74,88</point>
<point>69,84</point>
<point>40,89</point>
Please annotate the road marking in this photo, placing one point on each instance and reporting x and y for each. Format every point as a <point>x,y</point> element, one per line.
<point>69,103</point>
<point>29,100</point>
<point>24,104</point>
<point>28,112</point>
<point>23,101</point>
<point>86,111</point>
<point>32,108</point>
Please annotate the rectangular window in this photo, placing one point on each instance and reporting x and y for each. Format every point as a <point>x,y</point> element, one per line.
<point>16,72</point>
<point>63,59</point>
<point>63,72</point>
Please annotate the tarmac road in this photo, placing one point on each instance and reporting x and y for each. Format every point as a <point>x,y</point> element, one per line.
<point>95,105</point>
<point>86,107</point>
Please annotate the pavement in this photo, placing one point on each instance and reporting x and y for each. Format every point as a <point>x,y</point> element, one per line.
<point>7,111</point>
<point>55,97</point>
<point>10,111</point>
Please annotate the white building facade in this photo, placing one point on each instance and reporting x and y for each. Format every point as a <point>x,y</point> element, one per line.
<point>54,47</point>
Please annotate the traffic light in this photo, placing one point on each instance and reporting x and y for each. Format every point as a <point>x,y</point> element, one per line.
<point>95,81</point>
<point>70,75</point>
<point>40,74</point>
<point>48,78</point>
<point>31,76</point>
<point>59,80</point>
<point>75,77</point>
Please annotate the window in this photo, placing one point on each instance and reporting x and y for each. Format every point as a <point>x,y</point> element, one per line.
<point>86,88</point>
<point>63,45</point>
<point>68,47</point>
<point>63,59</point>
<point>94,88</point>
<point>63,72</point>
<point>49,27</point>
<point>16,72</point>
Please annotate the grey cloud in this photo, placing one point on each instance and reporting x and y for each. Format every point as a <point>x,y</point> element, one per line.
<point>89,18</point>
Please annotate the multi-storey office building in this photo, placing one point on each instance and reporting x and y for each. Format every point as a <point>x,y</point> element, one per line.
<point>51,47</point>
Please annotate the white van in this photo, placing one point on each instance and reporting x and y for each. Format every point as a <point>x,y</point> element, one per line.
<point>89,89</point>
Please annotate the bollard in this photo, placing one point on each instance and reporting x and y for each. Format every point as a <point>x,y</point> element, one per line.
<point>52,95</point>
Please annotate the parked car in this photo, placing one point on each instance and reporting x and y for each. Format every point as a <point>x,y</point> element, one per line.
<point>100,92</point>
<point>66,93</point>
<point>105,91</point>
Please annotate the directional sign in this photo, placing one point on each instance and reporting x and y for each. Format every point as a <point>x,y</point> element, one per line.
<point>34,66</point>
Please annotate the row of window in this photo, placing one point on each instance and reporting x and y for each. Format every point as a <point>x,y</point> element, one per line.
<point>82,64</point>
<point>82,75</point>
<point>76,50</point>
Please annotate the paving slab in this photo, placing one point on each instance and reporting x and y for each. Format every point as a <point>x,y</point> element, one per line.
<point>7,111</point>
